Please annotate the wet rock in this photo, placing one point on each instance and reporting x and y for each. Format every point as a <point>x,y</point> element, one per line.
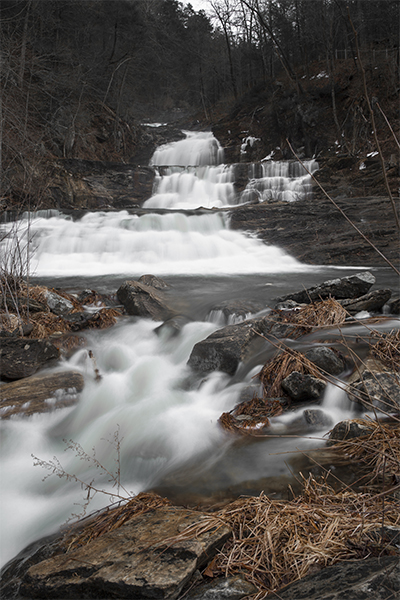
<point>23,357</point>
<point>372,302</point>
<point>144,301</point>
<point>230,588</point>
<point>393,305</point>
<point>153,281</point>
<point>172,327</point>
<point>326,359</point>
<point>316,418</point>
<point>141,559</point>
<point>301,386</point>
<point>353,286</point>
<point>347,430</point>
<point>40,393</point>
<point>379,389</point>
<point>373,578</point>
<point>57,304</point>
<point>224,349</point>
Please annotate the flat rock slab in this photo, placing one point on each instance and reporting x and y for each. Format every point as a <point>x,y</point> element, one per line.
<point>40,393</point>
<point>353,286</point>
<point>372,579</point>
<point>142,559</point>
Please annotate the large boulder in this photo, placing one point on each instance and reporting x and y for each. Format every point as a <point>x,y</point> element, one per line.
<point>371,302</point>
<point>224,349</point>
<point>373,578</point>
<point>40,393</point>
<point>144,558</point>
<point>144,300</point>
<point>346,287</point>
<point>21,357</point>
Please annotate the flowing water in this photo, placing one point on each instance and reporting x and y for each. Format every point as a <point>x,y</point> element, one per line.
<point>167,426</point>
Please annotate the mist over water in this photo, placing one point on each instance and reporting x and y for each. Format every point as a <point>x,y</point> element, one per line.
<point>147,396</point>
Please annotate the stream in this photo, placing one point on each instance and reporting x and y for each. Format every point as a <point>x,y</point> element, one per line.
<point>144,422</point>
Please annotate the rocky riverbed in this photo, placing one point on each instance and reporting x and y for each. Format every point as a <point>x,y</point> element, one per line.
<point>146,547</point>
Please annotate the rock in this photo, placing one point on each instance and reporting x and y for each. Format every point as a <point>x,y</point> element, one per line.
<point>353,286</point>
<point>172,327</point>
<point>141,559</point>
<point>40,393</point>
<point>393,305</point>
<point>229,588</point>
<point>372,578</point>
<point>23,357</point>
<point>347,430</point>
<point>300,386</point>
<point>372,302</point>
<point>153,281</point>
<point>57,304</point>
<point>224,349</point>
<point>144,301</point>
<point>325,359</point>
<point>317,418</point>
<point>379,389</point>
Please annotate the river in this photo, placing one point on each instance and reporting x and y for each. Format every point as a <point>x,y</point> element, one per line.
<point>144,420</point>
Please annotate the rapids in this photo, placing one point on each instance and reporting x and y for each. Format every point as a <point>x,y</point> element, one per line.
<point>146,421</point>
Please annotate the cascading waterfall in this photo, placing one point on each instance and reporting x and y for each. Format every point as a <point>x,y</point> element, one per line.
<point>168,430</point>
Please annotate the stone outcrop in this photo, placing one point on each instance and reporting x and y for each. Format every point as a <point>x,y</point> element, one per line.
<point>144,558</point>
<point>23,357</point>
<point>40,393</point>
<point>224,349</point>
<point>379,389</point>
<point>144,300</point>
<point>353,286</point>
<point>373,578</point>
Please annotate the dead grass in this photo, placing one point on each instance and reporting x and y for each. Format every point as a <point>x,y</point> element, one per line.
<point>320,314</point>
<point>277,369</point>
<point>387,349</point>
<point>276,543</point>
<point>250,418</point>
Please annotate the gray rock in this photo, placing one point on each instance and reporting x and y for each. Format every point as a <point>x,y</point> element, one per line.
<point>57,304</point>
<point>346,287</point>
<point>379,389</point>
<point>144,301</point>
<point>23,357</point>
<point>229,588</point>
<point>326,359</point>
<point>224,349</point>
<point>141,559</point>
<point>300,386</point>
<point>372,302</point>
<point>370,579</point>
<point>317,418</point>
<point>392,306</point>
<point>40,393</point>
<point>347,430</point>
<point>153,281</point>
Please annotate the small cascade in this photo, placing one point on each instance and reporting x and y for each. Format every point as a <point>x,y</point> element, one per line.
<point>286,181</point>
<point>197,149</point>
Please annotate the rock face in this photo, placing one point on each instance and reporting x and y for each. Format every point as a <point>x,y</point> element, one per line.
<point>301,386</point>
<point>378,389</point>
<point>224,349</point>
<point>139,560</point>
<point>22,357</point>
<point>144,300</point>
<point>40,393</point>
<point>346,287</point>
<point>374,578</point>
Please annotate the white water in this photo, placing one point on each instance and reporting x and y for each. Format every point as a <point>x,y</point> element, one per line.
<point>122,244</point>
<point>163,426</point>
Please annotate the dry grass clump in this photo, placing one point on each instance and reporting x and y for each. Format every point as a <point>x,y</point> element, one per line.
<point>387,349</point>
<point>46,324</point>
<point>249,418</point>
<point>105,317</point>
<point>277,369</point>
<point>379,450</point>
<point>112,518</point>
<point>319,314</point>
<point>276,543</point>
